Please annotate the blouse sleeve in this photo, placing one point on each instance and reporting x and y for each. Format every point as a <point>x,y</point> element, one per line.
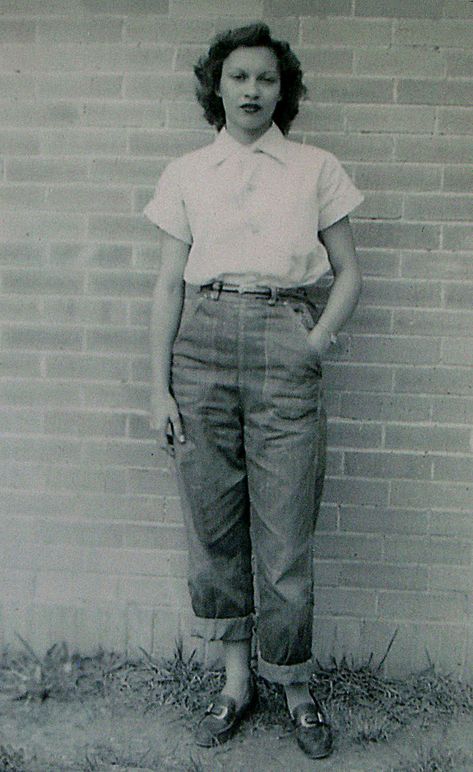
<point>167,208</point>
<point>337,194</point>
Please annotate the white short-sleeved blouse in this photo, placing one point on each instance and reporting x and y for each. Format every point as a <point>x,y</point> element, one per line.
<point>252,213</point>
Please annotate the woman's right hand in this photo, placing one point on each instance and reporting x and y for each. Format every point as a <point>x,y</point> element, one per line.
<point>165,419</point>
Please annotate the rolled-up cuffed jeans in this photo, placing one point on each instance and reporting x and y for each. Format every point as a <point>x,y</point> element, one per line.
<point>251,470</point>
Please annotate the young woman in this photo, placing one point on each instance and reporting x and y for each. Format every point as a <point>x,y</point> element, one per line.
<point>248,225</point>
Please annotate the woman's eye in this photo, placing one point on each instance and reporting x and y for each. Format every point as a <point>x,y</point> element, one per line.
<point>238,77</point>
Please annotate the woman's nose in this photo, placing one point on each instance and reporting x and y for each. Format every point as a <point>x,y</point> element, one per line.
<point>252,88</point>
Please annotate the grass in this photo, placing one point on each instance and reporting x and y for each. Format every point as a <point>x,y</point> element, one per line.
<point>436,758</point>
<point>363,705</point>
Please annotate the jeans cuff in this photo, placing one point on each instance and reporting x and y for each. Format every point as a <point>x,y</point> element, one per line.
<point>227,629</point>
<point>285,674</point>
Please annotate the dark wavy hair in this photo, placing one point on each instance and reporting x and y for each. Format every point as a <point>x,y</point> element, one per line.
<point>209,72</point>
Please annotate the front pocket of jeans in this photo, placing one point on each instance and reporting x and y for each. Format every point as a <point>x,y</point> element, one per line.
<point>304,322</point>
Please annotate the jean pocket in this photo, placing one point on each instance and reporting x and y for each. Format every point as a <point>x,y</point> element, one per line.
<point>187,321</point>
<point>304,318</point>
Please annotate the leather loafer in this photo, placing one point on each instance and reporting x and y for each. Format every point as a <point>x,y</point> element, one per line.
<point>222,718</point>
<point>313,732</point>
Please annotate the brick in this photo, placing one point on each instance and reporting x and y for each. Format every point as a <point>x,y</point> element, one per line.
<point>20,309</point>
<point>458,178</point>
<point>17,31</point>
<point>14,197</point>
<point>343,89</point>
<point>385,407</point>
<point>38,393</point>
<point>459,64</point>
<point>84,424</point>
<point>152,481</point>
<point>450,578</point>
<point>83,367</point>
<point>41,282</point>
<point>402,177</point>
<point>356,147</point>
<point>428,92</point>
<point>167,143</point>
<point>18,86</point>
<point>36,449</point>
<point>84,141</point>
<point>455,120</point>
<point>125,169</point>
<point>96,7</point>
<point>130,284</point>
<point>383,520</point>
<point>86,480</point>
<point>459,296</point>
<point>349,377</point>
<point>88,199</point>
<point>121,227</point>
<point>123,114</point>
<point>18,142</point>
<point>438,495</point>
<point>380,262</point>
<point>434,380</point>
<point>396,235</point>
<point>79,588</point>
<point>458,352</point>
<point>438,207</point>
<point>453,468</point>
<point>117,340</point>
<point>431,550</point>
<point>460,9</point>
<point>19,365</point>
<point>94,255</point>
<point>22,476</point>
<point>354,491</point>
<point>457,237</point>
<point>307,8</point>
<point>436,150</point>
<point>391,118</point>
<point>395,349</point>
<point>163,86</point>
<point>76,85</point>
<point>402,9</point>
<point>398,292</point>
<point>422,606</point>
<point>375,575</point>
<point>39,225</point>
<point>425,322</point>
<point>80,534</point>
<point>354,434</point>
<point>73,31</point>
<point>45,170</point>
<point>381,206</point>
<point>454,410</point>
<point>427,438</point>
<point>152,536</point>
<point>126,396</point>
<point>313,59</point>
<point>42,338</point>
<point>199,8</point>
<point>436,265</point>
<point>345,32</point>
<point>33,114</point>
<point>400,61</point>
<point>20,421</point>
<point>151,29</point>
<point>344,602</point>
<point>17,586</point>
<point>89,311</point>
<point>439,32</point>
<point>387,465</point>
<point>324,117</point>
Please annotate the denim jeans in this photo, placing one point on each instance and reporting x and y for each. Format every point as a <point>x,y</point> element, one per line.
<point>251,471</point>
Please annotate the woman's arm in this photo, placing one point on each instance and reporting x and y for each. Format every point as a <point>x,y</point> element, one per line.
<point>346,288</point>
<point>165,317</point>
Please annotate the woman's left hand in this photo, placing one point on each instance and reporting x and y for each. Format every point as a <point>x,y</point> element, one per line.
<point>319,340</point>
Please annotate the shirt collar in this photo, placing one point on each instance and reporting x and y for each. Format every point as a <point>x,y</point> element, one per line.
<point>272,142</point>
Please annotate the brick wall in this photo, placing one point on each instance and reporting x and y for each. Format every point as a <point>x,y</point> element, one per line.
<point>96,96</point>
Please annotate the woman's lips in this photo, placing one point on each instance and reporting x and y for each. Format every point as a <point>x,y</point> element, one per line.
<point>248,108</point>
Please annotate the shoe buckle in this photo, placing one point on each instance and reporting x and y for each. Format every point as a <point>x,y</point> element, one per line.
<point>219,711</point>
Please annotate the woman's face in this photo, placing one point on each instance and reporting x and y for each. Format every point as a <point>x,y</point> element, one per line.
<point>250,88</point>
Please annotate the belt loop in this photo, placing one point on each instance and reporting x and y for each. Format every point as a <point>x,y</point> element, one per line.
<point>216,290</point>
<point>273,296</point>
